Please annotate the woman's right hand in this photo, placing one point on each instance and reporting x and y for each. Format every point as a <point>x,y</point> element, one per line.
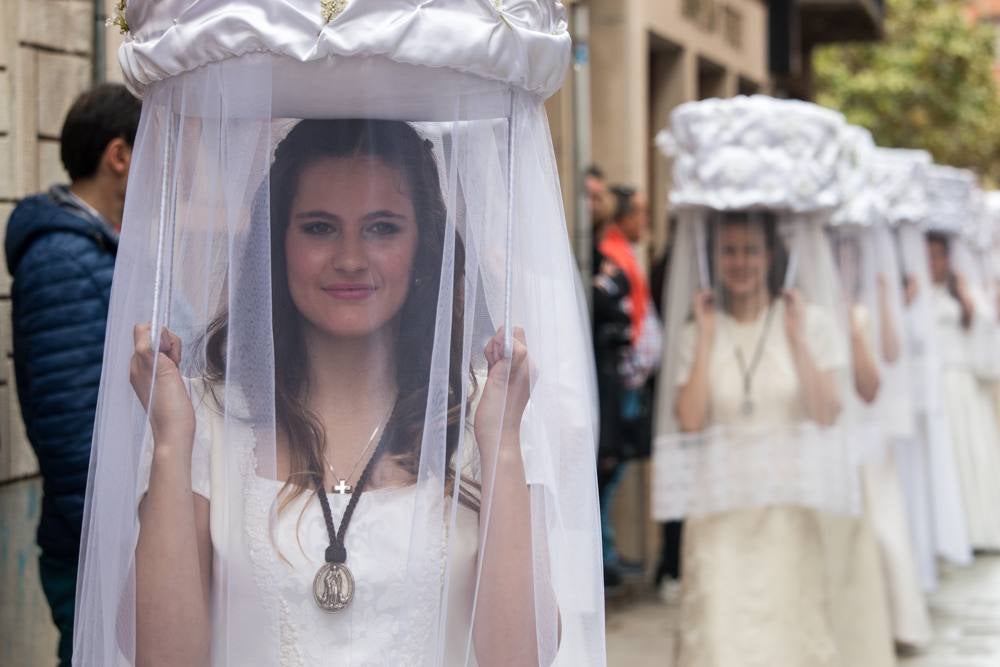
<point>171,414</point>
<point>704,314</point>
<point>910,289</point>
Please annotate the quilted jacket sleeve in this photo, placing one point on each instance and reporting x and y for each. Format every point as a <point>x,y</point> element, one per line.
<point>60,296</point>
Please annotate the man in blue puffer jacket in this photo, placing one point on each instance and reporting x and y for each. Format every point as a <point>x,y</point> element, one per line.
<point>60,249</point>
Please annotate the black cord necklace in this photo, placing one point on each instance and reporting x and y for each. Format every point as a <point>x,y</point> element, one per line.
<point>333,585</point>
<point>749,371</point>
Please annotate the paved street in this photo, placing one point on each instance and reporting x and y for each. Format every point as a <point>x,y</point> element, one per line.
<point>965,609</point>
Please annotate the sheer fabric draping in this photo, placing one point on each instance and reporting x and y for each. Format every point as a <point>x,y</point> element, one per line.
<point>757,445</point>
<point>947,514</point>
<point>339,268</point>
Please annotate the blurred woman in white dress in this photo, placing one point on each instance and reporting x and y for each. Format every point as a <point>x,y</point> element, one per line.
<point>763,586</point>
<point>863,260</point>
<point>755,409</point>
<point>971,416</point>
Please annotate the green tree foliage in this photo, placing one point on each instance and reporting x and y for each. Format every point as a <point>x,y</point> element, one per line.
<point>929,84</point>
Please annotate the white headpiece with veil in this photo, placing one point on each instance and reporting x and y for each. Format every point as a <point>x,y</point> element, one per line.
<point>344,262</point>
<point>867,259</point>
<point>955,215</point>
<point>771,167</point>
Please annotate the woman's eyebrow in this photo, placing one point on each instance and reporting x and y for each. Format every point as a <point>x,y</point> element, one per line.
<point>317,214</point>
<point>384,213</point>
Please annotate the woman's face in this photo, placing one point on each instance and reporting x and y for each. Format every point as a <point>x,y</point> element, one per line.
<point>350,245</point>
<point>743,258</point>
<point>940,263</point>
<point>635,223</point>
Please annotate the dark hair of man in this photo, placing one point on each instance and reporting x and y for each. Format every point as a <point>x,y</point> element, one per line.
<point>594,171</point>
<point>624,202</point>
<point>99,116</point>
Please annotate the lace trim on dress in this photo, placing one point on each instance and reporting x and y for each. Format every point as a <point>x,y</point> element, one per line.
<point>264,562</point>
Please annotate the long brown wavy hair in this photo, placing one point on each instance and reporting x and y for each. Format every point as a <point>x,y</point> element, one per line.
<point>398,145</point>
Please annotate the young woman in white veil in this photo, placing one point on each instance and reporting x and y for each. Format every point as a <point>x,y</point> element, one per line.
<point>928,468</point>
<point>963,320</point>
<point>337,424</point>
<point>356,235</point>
<point>868,270</point>
<point>752,445</point>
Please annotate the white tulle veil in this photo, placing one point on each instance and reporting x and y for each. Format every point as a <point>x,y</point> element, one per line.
<point>340,216</point>
<point>768,169</point>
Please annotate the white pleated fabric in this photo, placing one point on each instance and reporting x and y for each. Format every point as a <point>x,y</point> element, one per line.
<point>323,288</point>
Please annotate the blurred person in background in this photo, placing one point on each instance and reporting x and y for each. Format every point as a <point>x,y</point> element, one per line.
<point>612,337</point>
<point>630,436</point>
<point>668,569</point>
<point>958,315</point>
<point>60,248</point>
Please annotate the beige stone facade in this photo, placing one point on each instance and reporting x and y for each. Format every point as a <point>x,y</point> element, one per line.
<point>647,57</point>
<point>47,57</point>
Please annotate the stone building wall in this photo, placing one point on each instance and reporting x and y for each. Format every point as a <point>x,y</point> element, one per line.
<point>46,59</point>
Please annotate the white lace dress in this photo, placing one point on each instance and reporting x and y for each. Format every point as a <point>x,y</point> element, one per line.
<point>776,586</point>
<point>271,559</point>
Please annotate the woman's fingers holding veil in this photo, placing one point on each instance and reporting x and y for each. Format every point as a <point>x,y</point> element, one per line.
<point>163,397</point>
<point>794,314</point>
<point>704,312</point>
<point>170,345</point>
<point>507,388</point>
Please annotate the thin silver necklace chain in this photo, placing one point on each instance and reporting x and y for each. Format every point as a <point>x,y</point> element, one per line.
<point>371,440</point>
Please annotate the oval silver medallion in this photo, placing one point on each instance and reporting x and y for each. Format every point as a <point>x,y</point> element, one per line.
<point>333,587</point>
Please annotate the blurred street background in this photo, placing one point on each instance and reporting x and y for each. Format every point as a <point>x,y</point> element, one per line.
<point>917,73</point>
<point>965,613</point>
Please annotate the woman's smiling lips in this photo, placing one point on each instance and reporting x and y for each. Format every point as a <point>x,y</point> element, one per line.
<point>350,291</point>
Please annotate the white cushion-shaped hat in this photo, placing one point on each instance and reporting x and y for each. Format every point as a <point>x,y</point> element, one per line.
<point>951,198</point>
<point>900,174</point>
<point>755,153</point>
<point>521,43</point>
<point>863,202</point>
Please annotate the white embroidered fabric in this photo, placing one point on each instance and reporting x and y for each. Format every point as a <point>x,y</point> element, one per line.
<point>524,43</point>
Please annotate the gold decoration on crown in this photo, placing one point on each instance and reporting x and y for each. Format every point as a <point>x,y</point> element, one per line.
<point>331,9</point>
<point>119,18</point>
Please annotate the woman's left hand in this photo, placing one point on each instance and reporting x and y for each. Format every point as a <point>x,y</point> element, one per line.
<point>505,394</point>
